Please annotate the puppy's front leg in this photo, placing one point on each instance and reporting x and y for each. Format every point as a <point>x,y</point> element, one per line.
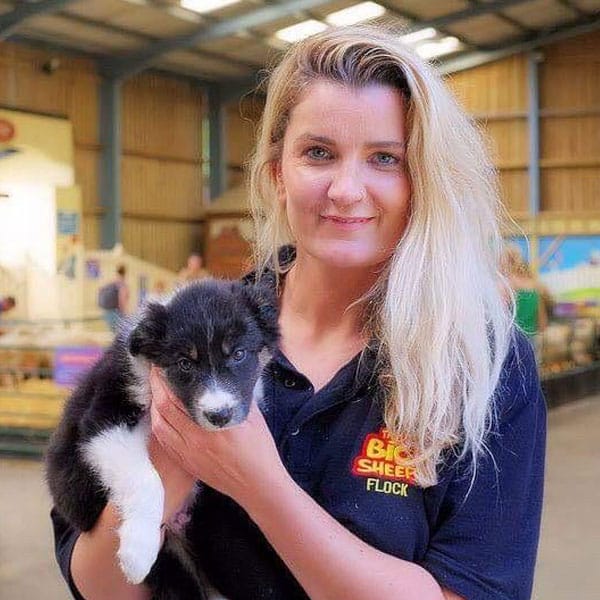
<point>119,456</point>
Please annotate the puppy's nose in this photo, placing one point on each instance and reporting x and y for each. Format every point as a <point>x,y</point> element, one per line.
<point>220,417</point>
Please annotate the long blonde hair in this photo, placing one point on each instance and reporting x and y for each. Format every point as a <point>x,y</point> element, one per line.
<point>441,323</point>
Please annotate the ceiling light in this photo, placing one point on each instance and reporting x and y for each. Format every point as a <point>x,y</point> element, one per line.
<point>206,6</point>
<point>300,31</point>
<point>355,14</point>
<point>438,48</point>
<point>418,36</point>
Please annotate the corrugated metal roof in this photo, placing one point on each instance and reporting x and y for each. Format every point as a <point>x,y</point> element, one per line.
<point>233,43</point>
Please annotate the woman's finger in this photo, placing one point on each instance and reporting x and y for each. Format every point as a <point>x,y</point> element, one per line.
<point>168,405</point>
<point>168,437</point>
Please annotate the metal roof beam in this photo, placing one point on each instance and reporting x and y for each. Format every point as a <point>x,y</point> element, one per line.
<point>153,39</point>
<point>11,20</point>
<point>475,59</point>
<point>580,12</point>
<point>474,10</point>
<point>522,28</point>
<point>416,22</point>
<point>139,61</point>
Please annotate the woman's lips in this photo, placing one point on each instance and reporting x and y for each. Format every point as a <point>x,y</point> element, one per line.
<point>347,221</point>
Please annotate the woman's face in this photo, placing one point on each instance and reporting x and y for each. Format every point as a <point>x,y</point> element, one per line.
<point>343,176</point>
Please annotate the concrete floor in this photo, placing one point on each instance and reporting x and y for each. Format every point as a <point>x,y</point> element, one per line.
<point>569,557</point>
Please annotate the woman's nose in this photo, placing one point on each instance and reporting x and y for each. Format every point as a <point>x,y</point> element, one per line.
<point>347,186</point>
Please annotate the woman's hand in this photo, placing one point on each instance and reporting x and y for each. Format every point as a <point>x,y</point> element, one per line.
<point>241,461</point>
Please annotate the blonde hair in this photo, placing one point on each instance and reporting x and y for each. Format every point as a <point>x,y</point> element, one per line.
<point>441,323</point>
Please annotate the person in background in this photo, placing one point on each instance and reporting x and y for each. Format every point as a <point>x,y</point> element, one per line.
<point>114,299</point>
<point>530,296</point>
<point>7,303</point>
<point>193,270</point>
<point>402,452</point>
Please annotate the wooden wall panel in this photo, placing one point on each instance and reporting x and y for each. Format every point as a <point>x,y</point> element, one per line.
<point>161,134</point>
<point>570,125</point>
<point>71,91</point>
<point>91,230</point>
<point>162,243</point>
<point>495,88</point>
<point>514,190</point>
<point>161,168</point>
<point>570,73</point>
<point>161,187</point>
<point>571,190</point>
<point>495,94</point>
<point>570,139</point>
<point>242,119</point>
<point>162,117</point>
<point>507,140</point>
<point>86,176</point>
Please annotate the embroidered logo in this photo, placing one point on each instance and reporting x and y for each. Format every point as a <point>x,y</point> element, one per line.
<point>380,461</point>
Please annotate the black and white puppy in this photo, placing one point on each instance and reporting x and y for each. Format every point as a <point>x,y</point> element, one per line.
<point>211,340</point>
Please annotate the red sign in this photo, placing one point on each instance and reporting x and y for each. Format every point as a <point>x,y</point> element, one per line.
<point>7,130</point>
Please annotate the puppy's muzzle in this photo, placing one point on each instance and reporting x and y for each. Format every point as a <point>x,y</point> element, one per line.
<point>219,417</point>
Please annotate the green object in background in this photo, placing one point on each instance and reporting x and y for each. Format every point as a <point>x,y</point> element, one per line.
<point>527,307</point>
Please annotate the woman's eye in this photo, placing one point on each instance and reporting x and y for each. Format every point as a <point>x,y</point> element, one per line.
<point>318,153</point>
<point>385,159</point>
<point>185,364</point>
<point>239,355</point>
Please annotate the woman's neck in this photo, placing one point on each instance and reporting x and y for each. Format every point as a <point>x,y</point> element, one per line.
<point>320,300</point>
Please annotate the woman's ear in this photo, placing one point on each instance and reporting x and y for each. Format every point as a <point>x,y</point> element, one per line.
<point>277,176</point>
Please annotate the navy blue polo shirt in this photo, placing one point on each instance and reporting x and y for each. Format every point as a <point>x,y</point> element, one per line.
<point>477,538</point>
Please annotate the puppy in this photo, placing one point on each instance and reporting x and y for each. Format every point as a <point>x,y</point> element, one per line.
<point>211,340</point>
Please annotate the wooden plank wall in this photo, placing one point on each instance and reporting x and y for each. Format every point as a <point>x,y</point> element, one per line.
<point>569,76</point>
<point>71,91</point>
<point>570,126</point>
<point>242,120</point>
<point>496,96</point>
<point>161,178</point>
<point>161,185</point>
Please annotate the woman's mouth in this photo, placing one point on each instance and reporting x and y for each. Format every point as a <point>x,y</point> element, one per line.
<point>348,222</point>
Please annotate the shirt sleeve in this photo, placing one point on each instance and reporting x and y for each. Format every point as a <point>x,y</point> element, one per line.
<point>484,537</point>
<point>65,537</point>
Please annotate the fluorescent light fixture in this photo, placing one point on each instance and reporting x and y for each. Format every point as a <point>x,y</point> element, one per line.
<point>355,14</point>
<point>438,48</point>
<point>205,6</point>
<point>300,31</point>
<point>418,36</point>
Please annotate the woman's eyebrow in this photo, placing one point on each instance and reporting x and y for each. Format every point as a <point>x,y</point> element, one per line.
<point>320,139</point>
<point>391,145</point>
<point>310,137</point>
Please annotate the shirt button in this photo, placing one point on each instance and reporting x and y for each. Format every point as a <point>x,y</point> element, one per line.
<point>296,431</point>
<point>289,383</point>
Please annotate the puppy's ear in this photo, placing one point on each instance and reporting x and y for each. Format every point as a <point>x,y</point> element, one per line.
<point>262,302</point>
<point>148,336</point>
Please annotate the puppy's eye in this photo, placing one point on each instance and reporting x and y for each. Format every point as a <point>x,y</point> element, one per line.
<point>185,364</point>
<point>239,355</point>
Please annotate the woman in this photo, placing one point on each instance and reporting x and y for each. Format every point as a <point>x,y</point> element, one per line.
<point>401,451</point>
<point>529,295</point>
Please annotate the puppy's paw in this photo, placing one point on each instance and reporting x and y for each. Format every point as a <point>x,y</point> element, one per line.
<point>139,547</point>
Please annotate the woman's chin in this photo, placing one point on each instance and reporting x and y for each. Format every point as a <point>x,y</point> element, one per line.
<point>348,255</point>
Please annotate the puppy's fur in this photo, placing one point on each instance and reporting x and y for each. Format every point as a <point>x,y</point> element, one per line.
<point>211,340</point>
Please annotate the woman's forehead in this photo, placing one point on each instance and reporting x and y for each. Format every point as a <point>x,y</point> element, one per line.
<point>330,109</point>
